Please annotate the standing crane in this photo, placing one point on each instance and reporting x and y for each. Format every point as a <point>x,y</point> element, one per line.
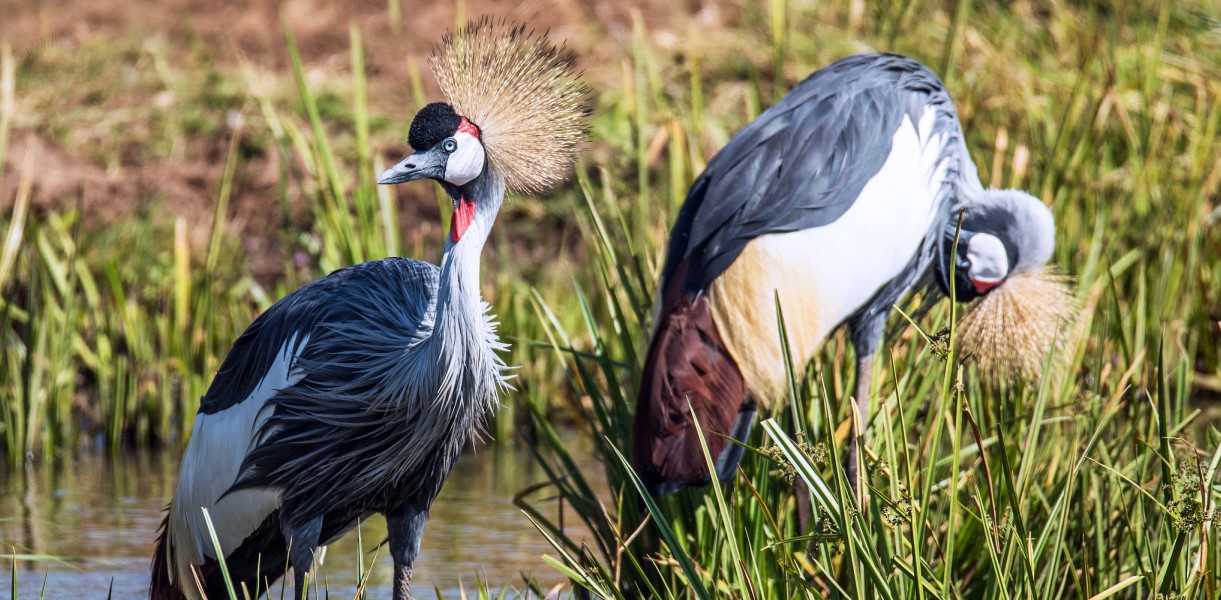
<point>837,200</point>
<point>355,394</point>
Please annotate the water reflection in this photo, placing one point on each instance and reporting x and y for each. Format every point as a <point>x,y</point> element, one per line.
<point>92,522</point>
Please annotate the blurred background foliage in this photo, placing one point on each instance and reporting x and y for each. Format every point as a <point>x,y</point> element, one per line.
<point>169,172</point>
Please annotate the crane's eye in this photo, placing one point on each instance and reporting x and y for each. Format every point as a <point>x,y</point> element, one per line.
<point>449,145</point>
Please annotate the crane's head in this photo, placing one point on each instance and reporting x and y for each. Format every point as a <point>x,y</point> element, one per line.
<point>515,112</point>
<point>515,105</point>
<point>1007,232</point>
<point>448,149</point>
<point>1021,323</point>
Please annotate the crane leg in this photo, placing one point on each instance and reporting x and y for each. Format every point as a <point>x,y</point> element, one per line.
<point>302,540</point>
<point>864,368</point>
<point>406,527</point>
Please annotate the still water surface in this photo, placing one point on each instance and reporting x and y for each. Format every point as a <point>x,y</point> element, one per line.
<point>98,516</point>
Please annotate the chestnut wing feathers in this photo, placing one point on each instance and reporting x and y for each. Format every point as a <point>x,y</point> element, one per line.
<point>688,369</point>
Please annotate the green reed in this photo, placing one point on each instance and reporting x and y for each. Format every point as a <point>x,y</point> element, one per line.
<point>1097,483</point>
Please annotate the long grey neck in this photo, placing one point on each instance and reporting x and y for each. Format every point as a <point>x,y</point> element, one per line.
<point>970,190</point>
<point>458,298</point>
<point>464,345</point>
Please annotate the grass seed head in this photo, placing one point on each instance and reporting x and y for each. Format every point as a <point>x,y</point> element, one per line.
<point>1010,332</point>
<point>523,94</point>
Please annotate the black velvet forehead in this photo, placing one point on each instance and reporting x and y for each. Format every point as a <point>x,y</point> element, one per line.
<point>432,124</point>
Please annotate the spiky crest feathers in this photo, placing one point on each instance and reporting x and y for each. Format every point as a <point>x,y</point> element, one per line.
<point>1021,329</point>
<point>523,94</point>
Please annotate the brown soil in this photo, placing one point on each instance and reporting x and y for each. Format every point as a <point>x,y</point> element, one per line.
<point>250,31</point>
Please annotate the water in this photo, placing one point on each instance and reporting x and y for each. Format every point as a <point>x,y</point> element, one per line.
<point>98,515</point>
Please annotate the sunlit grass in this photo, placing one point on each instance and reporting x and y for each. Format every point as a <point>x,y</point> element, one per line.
<point>1099,482</point>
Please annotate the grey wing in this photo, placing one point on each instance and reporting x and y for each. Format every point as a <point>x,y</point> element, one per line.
<point>317,308</point>
<point>804,161</point>
<point>351,405</point>
<point>297,341</point>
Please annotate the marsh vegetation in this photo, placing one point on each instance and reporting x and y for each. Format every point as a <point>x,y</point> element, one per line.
<point>166,177</point>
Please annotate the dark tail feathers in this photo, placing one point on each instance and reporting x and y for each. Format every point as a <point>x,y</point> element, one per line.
<point>159,587</point>
<point>688,368</point>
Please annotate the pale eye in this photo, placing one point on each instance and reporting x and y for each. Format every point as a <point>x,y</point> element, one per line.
<point>463,159</point>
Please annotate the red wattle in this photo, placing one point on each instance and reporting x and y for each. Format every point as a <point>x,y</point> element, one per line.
<point>983,286</point>
<point>467,127</point>
<point>462,219</point>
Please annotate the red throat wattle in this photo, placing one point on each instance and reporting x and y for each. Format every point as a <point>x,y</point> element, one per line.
<point>982,286</point>
<point>463,214</point>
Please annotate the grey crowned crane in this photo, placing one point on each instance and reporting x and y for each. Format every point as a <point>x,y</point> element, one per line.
<point>837,200</point>
<point>355,394</point>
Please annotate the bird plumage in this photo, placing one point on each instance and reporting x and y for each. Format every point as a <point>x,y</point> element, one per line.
<point>368,369</point>
<point>1020,221</point>
<point>834,200</point>
<point>688,369</point>
<point>355,394</point>
<point>352,378</point>
<point>804,161</point>
<point>1020,331</point>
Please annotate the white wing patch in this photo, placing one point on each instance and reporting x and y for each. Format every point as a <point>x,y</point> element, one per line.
<point>824,274</point>
<point>219,443</point>
<point>853,257</point>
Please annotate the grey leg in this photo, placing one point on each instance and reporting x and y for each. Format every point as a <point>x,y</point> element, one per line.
<point>302,540</point>
<point>864,370</point>
<point>727,463</point>
<point>406,527</point>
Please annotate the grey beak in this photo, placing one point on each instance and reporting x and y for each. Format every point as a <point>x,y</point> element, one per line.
<point>427,164</point>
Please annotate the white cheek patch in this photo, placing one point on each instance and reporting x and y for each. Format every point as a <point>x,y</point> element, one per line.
<point>989,261</point>
<point>466,163</point>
